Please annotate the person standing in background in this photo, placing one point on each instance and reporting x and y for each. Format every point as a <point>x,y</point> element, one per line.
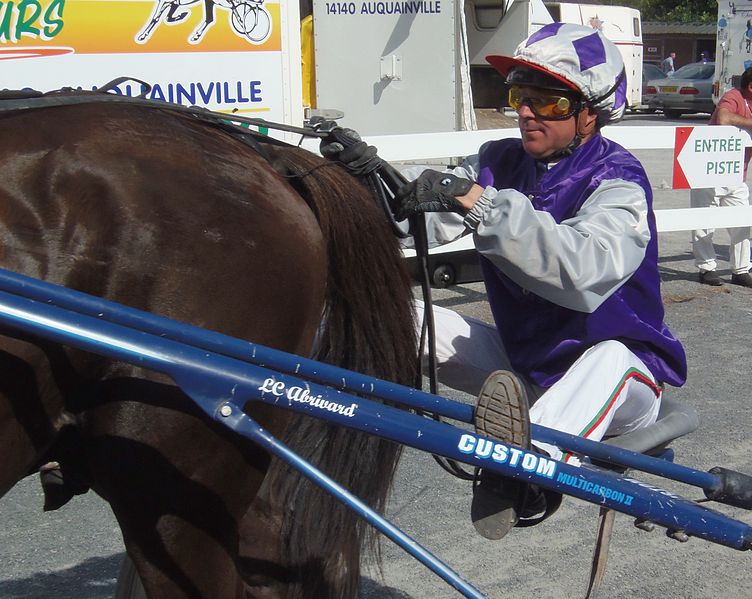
<point>732,109</point>
<point>667,66</point>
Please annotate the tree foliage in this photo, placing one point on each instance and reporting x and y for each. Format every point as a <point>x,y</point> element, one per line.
<point>686,11</point>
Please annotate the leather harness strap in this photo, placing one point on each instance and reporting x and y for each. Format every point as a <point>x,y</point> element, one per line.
<point>19,100</point>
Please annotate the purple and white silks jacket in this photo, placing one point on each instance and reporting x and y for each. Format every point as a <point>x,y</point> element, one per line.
<point>569,256</point>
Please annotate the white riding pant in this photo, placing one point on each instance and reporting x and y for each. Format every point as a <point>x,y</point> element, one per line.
<point>608,391</point>
<point>702,239</point>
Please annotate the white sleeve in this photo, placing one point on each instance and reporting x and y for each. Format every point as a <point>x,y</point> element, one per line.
<point>578,263</point>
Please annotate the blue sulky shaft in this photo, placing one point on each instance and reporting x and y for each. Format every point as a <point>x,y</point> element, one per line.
<point>106,311</point>
<point>624,457</point>
<point>238,421</point>
<point>212,379</point>
<point>341,378</point>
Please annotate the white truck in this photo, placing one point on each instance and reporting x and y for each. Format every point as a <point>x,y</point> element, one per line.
<point>418,66</point>
<point>733,54</point>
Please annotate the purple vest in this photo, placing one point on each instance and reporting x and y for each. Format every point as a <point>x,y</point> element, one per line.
<point>542,338</point>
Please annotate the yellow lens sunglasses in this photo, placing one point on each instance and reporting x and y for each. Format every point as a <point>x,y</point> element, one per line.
<point>546,106</point>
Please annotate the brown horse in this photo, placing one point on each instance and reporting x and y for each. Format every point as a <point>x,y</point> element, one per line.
<point>165,213</point>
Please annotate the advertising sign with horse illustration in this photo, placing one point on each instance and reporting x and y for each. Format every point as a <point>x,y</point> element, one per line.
<point>235,56</point>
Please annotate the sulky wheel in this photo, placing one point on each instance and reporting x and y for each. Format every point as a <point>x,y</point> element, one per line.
<point>252,22</point>
<point>444,275</point>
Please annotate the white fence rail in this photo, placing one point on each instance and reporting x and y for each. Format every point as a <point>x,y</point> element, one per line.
<point>434,146</point>
<point>427,146</point>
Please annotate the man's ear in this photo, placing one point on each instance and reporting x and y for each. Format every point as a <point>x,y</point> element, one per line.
<point>586,121</point>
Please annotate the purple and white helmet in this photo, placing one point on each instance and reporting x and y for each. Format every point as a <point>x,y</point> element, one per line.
<point>578,56</point>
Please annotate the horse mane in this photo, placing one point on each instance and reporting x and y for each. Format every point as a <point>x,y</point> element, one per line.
<point>368,327</point>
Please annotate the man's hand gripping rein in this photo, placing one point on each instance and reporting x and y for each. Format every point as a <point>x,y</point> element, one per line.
<point>432,191</point>
<point>346,147</point>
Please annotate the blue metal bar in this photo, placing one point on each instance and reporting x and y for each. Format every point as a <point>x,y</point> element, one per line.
<point>211,380</point>
<point>239,422</point>
<point>619,456</point>
<point>203,374</point>
<point>104,310</point>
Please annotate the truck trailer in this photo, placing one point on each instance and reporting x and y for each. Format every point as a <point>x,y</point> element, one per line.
<point>733,53</point>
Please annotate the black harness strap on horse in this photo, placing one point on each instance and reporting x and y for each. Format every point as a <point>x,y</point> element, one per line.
<point>16,100</point>
<point>19,100</point>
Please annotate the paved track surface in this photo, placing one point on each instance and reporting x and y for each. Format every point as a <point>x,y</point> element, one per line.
<point>76,551</point>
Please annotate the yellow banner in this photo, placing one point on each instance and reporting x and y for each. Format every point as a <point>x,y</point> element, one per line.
<point>49,27</point>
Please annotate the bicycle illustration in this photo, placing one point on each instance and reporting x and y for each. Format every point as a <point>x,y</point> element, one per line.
<point>248,18</point>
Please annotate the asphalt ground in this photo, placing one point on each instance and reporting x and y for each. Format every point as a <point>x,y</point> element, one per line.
<point>76,551</point>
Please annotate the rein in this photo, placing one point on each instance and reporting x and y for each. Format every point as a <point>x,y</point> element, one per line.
<point>390,177</point>
<point>385,182</point>
<point>17,100</point>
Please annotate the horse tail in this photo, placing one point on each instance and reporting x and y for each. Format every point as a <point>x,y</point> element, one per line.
<point>368,327</point>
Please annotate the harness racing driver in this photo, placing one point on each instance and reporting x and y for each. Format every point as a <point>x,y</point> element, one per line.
<point>563,222</point>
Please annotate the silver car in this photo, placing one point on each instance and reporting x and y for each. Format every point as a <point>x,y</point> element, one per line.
<point>687,91</point>
<point>650,72</point>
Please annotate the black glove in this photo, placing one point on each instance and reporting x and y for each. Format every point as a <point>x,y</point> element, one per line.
<point>346,147</point>
<point>432,191</point>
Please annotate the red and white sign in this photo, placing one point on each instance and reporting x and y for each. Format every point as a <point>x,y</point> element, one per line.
<point>711,156</point>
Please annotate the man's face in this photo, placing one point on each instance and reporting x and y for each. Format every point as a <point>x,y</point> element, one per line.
<point>542,138</point>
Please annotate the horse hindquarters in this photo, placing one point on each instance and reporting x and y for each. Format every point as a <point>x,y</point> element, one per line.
<point>276,301</point>
<point>180,515</point>
<point>171,216</point>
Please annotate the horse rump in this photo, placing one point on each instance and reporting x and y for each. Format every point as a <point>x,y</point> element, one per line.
<point>168,214</point>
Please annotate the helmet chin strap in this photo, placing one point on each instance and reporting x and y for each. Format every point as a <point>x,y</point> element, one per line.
<point>572,145</point>
<point>566,150</point>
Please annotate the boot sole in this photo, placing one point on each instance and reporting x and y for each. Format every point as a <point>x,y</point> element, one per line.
<point>501,413</point>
